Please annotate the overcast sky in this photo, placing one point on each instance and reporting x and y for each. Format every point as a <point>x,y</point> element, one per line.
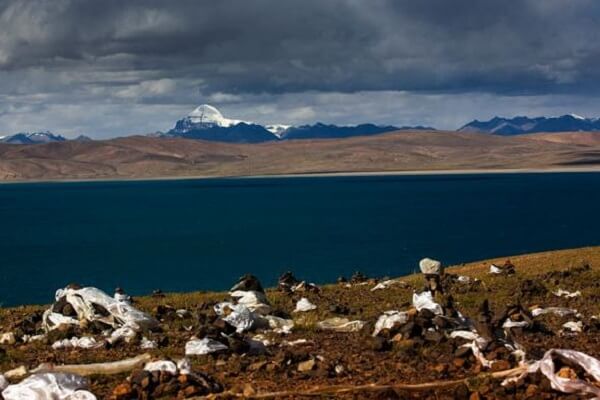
<point>113,67</point>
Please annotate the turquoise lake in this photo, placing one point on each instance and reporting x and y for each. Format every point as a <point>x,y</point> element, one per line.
<point>183,235</point>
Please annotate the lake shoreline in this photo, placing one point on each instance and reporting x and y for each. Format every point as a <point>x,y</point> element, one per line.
<point>323,175</point>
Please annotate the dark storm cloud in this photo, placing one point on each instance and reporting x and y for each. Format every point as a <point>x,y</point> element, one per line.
<point>61,60</point>
<point>282,46</point>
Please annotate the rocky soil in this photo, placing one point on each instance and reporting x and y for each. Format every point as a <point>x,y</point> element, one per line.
<point>418,350</point>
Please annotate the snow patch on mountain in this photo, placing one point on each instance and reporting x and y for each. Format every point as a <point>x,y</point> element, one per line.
<point>32,138</point>
<point>277,129</point>
<point>209,115</point>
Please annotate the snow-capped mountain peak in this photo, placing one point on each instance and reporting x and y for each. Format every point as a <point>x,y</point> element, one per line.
<point>209,115</point>
<point>207,123</point>
<point>31,138</point>
<point>576,116</point>
<point>277,129</point>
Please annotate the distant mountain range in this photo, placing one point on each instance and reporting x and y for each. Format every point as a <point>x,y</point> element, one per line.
<point>206,122</point>
<point>38,137</point>
<point>31,138</point>
<point>522,125</point>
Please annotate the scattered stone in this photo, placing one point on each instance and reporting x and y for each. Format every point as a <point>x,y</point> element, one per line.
<point>378,343</point>
<point>249,390</point>
<point>307,365</point>
<point>567,373</point>
<point>358,277</point>
<point>248,283</point>
<point>289,284</point>
<point>122,391</point>
<point>532,391</point>
<point>500,365</point>
<point>8,338</point>
<point>339,309</point>
<point>532,288</point>
<point>165,381</point>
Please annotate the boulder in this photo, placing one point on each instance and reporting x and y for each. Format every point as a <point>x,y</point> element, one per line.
<point>431,267</point>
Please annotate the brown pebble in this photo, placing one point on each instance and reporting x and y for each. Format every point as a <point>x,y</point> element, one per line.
<point>122,391</point>
<point>567,373</point>
<point>306,366</point>
<point>188,392</point>
<point>440,368</point>
<point>532,390</point>
<point>458,362</point>
<point>257,366</point>
<point>249,390</point>
<point>500,365</point>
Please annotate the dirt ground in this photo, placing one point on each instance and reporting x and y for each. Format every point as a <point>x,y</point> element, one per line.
<point>330,358</point>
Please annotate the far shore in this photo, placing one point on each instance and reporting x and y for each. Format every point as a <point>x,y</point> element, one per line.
<point>324,174</point>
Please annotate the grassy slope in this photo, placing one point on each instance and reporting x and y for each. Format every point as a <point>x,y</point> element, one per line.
<point>529,266</point>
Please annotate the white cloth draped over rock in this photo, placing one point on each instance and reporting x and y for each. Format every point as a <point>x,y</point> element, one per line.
<point>49,386</point>
<point>83,301</point>
<point>197,347</point>
<point>255,301</point>
<point>341,325</point>
<point>390,319</point>
<point>425,301</point>
<point>304,305</point>
<point>578,386</point>
<point>84,342</point>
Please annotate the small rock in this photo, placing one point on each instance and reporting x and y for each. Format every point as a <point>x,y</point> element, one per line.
<point>122,391</point>
<point>430,267</point>
<point>307,365</point>
<point>404,344</point>
<point>358,277</point>
<point>475,396</point>
<point>440,368</point>
<point>567,373</point>
<point>397,337</point>
<point>378,343</point>
<point>440,322</point>
<point>257,365</point>
<point>458,362</point>
<point>532,391</point>
<point>462,351</point>
<point>249,390</point>
<point>500,365</point>
<point>8,338</point>
<point>434,336</point>
<point>189,391</point>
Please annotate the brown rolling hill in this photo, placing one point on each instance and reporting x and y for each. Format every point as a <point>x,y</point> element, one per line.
<point>148,157</point>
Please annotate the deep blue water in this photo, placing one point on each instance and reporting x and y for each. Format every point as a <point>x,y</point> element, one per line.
<point>203,234</point>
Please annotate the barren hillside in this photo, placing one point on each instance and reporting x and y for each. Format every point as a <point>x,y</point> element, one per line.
<point>144,157</point>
